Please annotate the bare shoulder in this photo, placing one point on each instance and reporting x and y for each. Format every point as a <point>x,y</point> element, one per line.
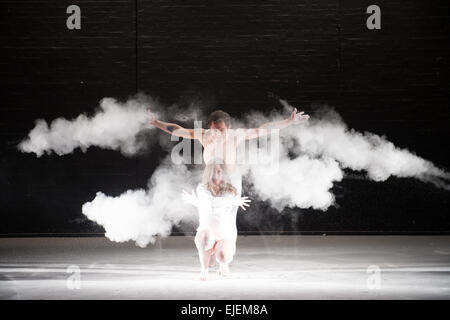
<point>237,134</point>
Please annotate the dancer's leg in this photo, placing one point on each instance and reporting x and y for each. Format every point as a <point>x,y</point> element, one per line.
<point>204,242</point>
<point>225,250</point>
<point>212,260</point>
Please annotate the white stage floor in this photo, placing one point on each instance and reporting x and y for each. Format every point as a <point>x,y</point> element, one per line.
<point>265,267</point>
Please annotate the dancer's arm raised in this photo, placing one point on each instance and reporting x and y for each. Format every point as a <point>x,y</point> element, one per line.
<point>296,117</point>
<point>175,129</point>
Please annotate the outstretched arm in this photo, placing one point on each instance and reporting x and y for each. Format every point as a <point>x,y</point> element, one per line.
<point>234,201</point>
<point>296,117</point>
<point>175,129</point>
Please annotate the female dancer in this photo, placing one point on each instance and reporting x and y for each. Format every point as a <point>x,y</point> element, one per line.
<point>217,201</point>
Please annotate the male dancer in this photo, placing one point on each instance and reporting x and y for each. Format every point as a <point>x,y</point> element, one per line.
<point>219,140</point>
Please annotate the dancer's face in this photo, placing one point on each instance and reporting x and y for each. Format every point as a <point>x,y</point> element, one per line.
<point>217,175</point>
<point>221,126</point>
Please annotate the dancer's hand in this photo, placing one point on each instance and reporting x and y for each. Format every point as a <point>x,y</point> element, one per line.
<point>244,202</point>
<point>298,117</point>
<point>151,117</point>
<point>190,198</point>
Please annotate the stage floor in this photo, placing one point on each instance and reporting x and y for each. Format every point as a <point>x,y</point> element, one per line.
<point>265,267</point>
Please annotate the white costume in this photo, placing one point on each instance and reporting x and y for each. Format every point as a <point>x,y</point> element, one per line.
<point>217,214</point>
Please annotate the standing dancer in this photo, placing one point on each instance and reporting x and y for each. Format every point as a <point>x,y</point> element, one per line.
<point>217,201</point>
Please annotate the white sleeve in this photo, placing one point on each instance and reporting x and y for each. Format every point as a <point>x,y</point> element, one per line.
<point>204,196</point>
<point>202,193</point>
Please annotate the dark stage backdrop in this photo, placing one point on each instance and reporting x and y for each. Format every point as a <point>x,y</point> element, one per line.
<point>236,55</point>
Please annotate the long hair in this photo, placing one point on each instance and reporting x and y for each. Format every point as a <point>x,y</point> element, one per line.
<point>224,188</point>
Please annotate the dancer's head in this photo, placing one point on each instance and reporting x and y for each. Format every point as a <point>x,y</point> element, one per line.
<point>219,120</point>
<point>216,180</point>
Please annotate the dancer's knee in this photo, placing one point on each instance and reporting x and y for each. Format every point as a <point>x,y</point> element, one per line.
<point>225,254</point>
<point>224,257</point>
<point>202,239</point>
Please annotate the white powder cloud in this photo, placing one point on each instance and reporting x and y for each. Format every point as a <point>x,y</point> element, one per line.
<point>114,126</point>
<point>312,157</point>
<point>142,215</point>
<point>368,152</point>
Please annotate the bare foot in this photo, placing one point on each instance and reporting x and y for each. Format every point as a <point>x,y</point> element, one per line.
<point>224,271</point>
<point>204,275</point>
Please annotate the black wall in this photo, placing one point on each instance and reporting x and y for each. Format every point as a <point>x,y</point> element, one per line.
<point>236,55</point>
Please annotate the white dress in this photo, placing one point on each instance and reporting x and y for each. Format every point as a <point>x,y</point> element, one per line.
<point>217,214</point>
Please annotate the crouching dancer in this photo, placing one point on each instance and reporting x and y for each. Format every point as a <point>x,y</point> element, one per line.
<point>216,200</point>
